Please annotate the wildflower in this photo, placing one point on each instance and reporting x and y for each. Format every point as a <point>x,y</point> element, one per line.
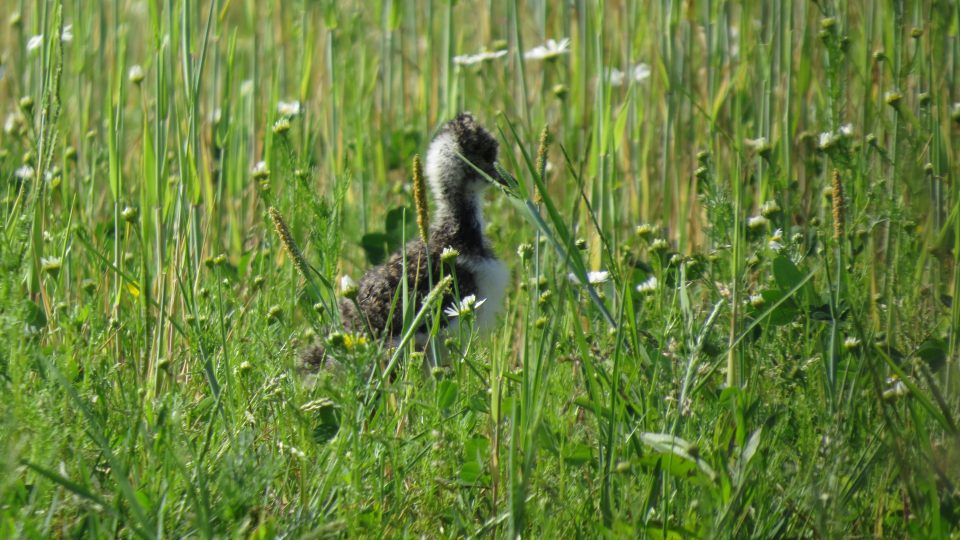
<point>24,173</point>
<point>893,98</point>
<point>615,77</point>
<point>288,108</point>
<point>135,75</point>
<point>34,42</point>
<point>641,72</point>
<point>851,343</point>
<point>549,50</point>
<point>775,243</point>
<point>349,288</point>
<point>756,300</point>
<point>353,341</point>
<point>260,170</point>
<point>897,388</point>
<point>51,265</point>
<point>593,278</point>
<point>757,222</point>
<point>467,306</point>
<point>846,130</point>
<point>12,123</point>
<point>525,251</point>
<point>645,230</point>
<point>769,208</point>
<point>760,144</point>
<point>827,139</point>
<point>281,126</point>
<point>291,450</point>
<point>480,57</point>
<point>659,244</point>
<point>449,254</point>
<point>648,286</point>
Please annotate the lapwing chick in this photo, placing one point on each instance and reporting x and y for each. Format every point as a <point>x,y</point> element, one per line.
<point>461,149</point>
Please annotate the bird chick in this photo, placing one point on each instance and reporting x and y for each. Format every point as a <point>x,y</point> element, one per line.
<point>459,150</point>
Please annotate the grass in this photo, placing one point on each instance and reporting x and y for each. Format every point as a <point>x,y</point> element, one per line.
<point>766,358</point>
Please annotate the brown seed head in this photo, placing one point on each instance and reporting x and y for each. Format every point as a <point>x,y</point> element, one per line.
<point>287,240</point>
<point>838,209</point>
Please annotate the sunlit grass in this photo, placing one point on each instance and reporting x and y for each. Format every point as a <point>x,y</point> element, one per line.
<point>760,359</point>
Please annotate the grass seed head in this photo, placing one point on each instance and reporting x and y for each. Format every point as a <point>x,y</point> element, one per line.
<point>838,210</point>
<point>420,199</point>
<point>287,240</point>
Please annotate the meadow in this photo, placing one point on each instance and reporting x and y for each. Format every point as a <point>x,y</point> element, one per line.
<point>733,242</point>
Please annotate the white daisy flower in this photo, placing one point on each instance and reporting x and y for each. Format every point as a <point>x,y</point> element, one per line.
<point>483,56</point>
<point>828,139</point>
<point>615,77</point>
<point>648,286</point>
<point>594,278</point>
<point>846,130</point>
<point>467,306</point>
<point>24,173</point>
<point>757,222</point>
<point>641,72</point>
<point>550,49</point>
<point>34,42</point>
<point>260,169</point>
<point>288,108</point>
<point>67,34</point>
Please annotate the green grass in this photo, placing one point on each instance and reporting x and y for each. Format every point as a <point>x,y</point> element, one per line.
<point>783,378</point>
